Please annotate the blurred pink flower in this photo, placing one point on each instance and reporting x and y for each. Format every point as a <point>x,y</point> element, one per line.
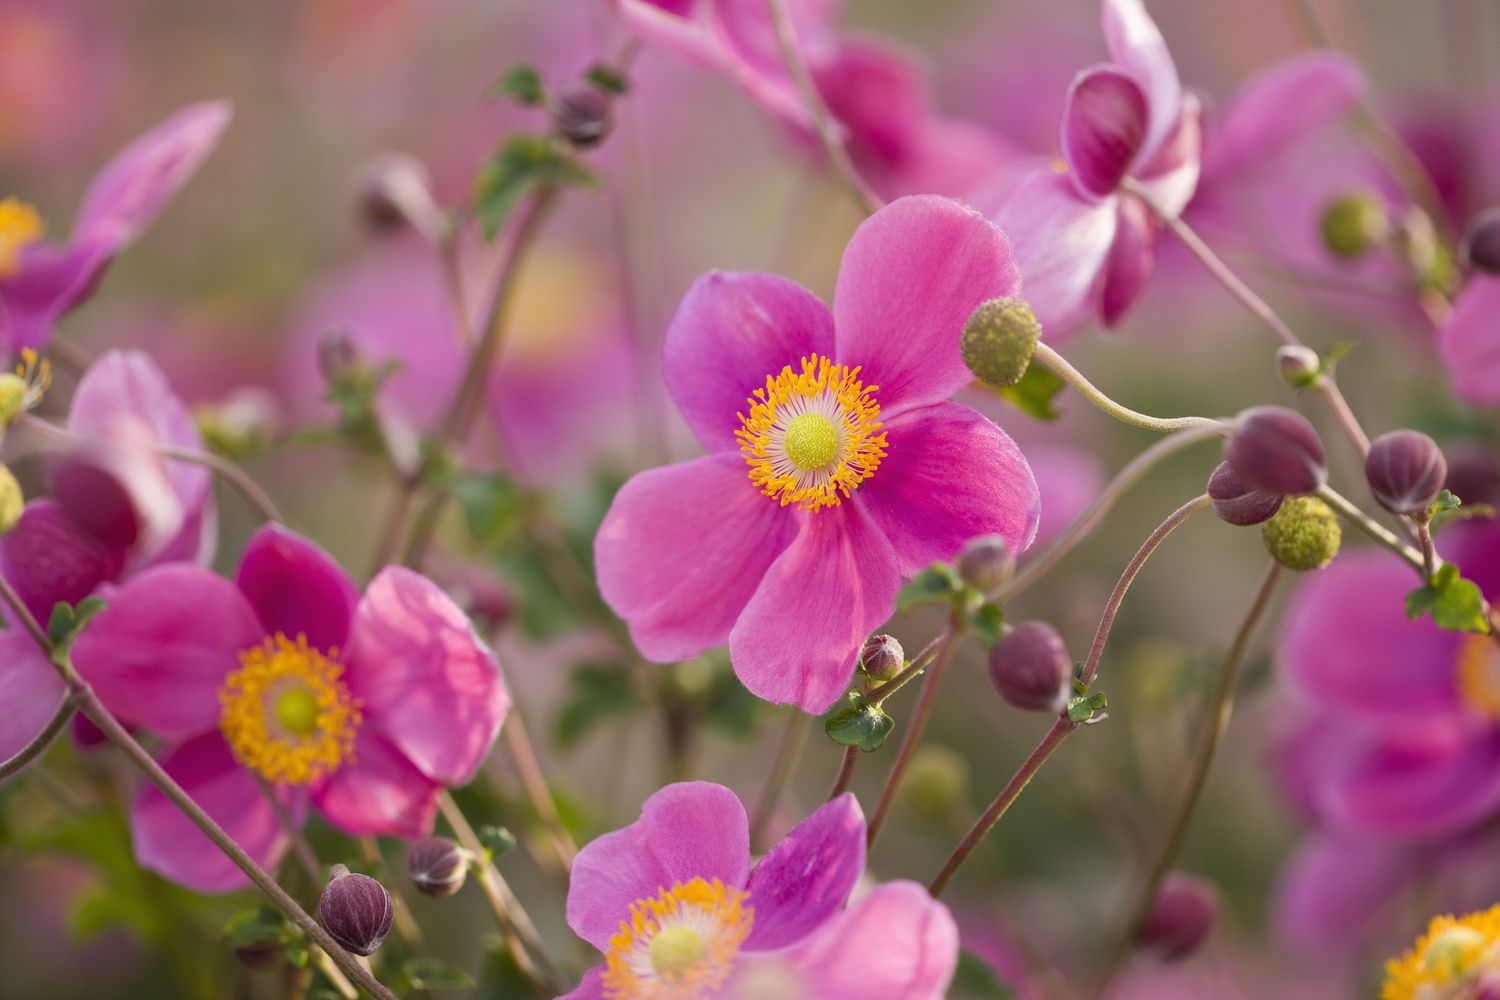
<point>681,875</point>
<point>57,58</point>
<point>1469,341</point>
<point>45,279</point>
<point>860,469</point>
<point>366,705</point>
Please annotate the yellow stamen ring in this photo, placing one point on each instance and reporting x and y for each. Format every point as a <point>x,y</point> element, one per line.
<point>1478,669</point>
<point>20,226</point>
<point>678,945</point>
<point>1446,959</point>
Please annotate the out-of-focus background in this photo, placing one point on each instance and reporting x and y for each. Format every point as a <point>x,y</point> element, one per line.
<point>266,251</point>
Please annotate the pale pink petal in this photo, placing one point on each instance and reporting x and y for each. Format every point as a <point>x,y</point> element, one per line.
<point>682,550</point>
<point>1135,43</point>
<point>669,25</point>
<point>378,793</point>
<point>950,475</point>
<point>425,679</point>
<point>296,588</point>
<point>1132,258</point>
<point>1170,177</point>
<point>1062,243</point>
<point>168,843</point>
<point>31,690</point>
<point>733,330</point>
<point>808,875</point>
<point>911,276</point>
<point>1470,341</point>
<point>799,636</point>
<point>1103,127</point>
<point>158,654</point>
<point>689,830</point>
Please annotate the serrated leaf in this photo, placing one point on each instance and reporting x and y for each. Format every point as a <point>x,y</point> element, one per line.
<point>67,621</point>
<point>435,974</point>
<point>935,584</point>
<point>1455,604</point>
<point>497,840</point>
<point>523,164</point>
<point>522,83</point>
<point>859,724</point>
<point>1445,501</point>
<point>1083,709</point>
<point>1035,393</point>
<point>607,79</point>
<point>986,620</point>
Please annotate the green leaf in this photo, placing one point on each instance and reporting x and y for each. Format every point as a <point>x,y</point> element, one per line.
<point>1456,604</point>
<point>1336,352</point>
<point>491,506</point>
<point>523,164</point>
<point>935,584</point>
<point>497,840</point>
<point>1088,709</point>
<point>522,83</point>
<point>859,724</point>
<point>975,978</point>
<point>435,974</point>
<point>1035,393</point>
<point>986,621</point>
<point>607,79</point>
<point>598,694</point>
<point>67,620</point>
<point>1445,502</point>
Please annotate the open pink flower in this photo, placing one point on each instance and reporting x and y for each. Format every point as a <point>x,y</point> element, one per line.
<point>367,705</point>
<point>679,913</point>
<point>40,280</point>
<point>837,464</point>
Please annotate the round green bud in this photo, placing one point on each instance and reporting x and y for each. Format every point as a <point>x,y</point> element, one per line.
<point>1304,534</point>
<point>1353,223</point>
<point>1298,366</point>
<point>998,341</point>
<point>12,398</point>
<point>12,500</point>
<point>936,783</point>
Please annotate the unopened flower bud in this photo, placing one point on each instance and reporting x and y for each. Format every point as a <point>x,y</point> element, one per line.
<point>12,398</point>
<point>1185,911</point>
<point>395,190</point>
<point>240,426</point>
<point>355,910</point>
<point>12,500</point>
<point>337,357</point>
<point>882,657</point>
<point>1353,223</point>
<point>581,114</point>
<point>1406,471</point>
<point>1303,535</point>
<point>1481,249</point>
<point>936,783</point>
<point>1275,450</point>
<point>985,562</point>
<point>999,340</point>
<point>437,866</point>
<point>1031,669</point>
<point>1299,366</point>
<point>1237,503</point>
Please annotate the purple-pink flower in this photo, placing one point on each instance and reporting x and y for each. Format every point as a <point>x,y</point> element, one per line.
<point>367,705</point>
<point>1469,341</point>
<point>41,280</point>
<point>673,903</point>
<point>837,464</point>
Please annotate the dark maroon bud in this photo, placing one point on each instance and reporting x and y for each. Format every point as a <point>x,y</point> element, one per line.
<point>1406,471</point>
<point>1184,914</point>
<point>261,955</point>
<point>985,563</point>
<point>437,866</point>
<point>337,357</point>
<point>355,910</point>
<point>882,657</point>
<point>1031,669</point>
<point>1275,450</point>
<point>581,115</point>
<point>1481,249</point>
<point>395,191</point>
<point>1237,503</point>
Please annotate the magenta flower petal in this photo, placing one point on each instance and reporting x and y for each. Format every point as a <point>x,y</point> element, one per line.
<point>592,987</point>
<point>911,275</point>
<point>1468,341</point>
<point>682,550</point>
<point>950,475</point>
<point>1103,127</point>
<point>1135,43</point>
<point>1347,642</point>
<point>799,637</point>
<point>378,792</point>
<point>159,653</point>
<point>47,559</point>
<point>1132,258</point>
<point>52,281</point>
<point>916,954</point>
<point>425,679</point>
<point>805,879</point>
<point>1068,479</point>
<point>1062,244</point>
<point>1336,890</point>
<point>30,689</point>
<point>693,829</point>
<point>168,843</point>
<point>732,330</point>
<point>296,588</point>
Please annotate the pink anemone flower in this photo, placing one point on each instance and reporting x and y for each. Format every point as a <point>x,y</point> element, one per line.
<point>680,914</point>
<point>1469,341</point>
<point>288,677</point>
<point>40,280</point>
<point>837,464</point>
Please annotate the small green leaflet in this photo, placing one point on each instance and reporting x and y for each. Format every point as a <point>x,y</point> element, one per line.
<point>1456,605</point>
<point>1035,394</point>
<point>859,723</point>
<point>935,584</point>
<point>521,83</point>
<point>523,164</point>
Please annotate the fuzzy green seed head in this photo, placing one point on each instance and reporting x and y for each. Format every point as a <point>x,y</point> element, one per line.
<point>1304,534</point>
<point>12,500</point>
<point>1353,223</point>
<point>998,341</point>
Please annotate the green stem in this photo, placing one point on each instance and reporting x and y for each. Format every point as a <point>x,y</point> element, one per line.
<point>1374,530</point>
<point>1059,366</point>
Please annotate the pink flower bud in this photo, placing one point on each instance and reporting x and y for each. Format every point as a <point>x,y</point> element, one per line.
<point>355,910</point>
<point>882,657</point>
<point>581,115</point>
<point>1031,669</point>
<point>395,190</point>
<point>437,866</point>
<point>1481,249</point>
<point>1237,503</point>
<point>985,563</point>
<point>1406,471</point>
<point>1184,914</point>
<point>1275,450</point>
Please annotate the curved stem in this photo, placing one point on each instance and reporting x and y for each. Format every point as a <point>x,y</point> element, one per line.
<point>529,769</point>
<point>39,744</point>
<point>1215,721</point>
<point>1059,366</point>
<point>235,477</point>
<point>846,773</point>
<point>822,120</point>
<point>1326,387</point>
<point>918,664</point>
<point>1370,527</point>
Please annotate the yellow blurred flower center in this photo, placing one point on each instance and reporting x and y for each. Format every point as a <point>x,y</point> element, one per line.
<point>1478,668</point>
<point>1445,962</point>
<point>679,944</point>
<point>20,226</point>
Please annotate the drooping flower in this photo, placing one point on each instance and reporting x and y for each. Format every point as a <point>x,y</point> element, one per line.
<point>837,464</point>
<point>673,903</point>
<point>367,705</point>
<point>41,280</point>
